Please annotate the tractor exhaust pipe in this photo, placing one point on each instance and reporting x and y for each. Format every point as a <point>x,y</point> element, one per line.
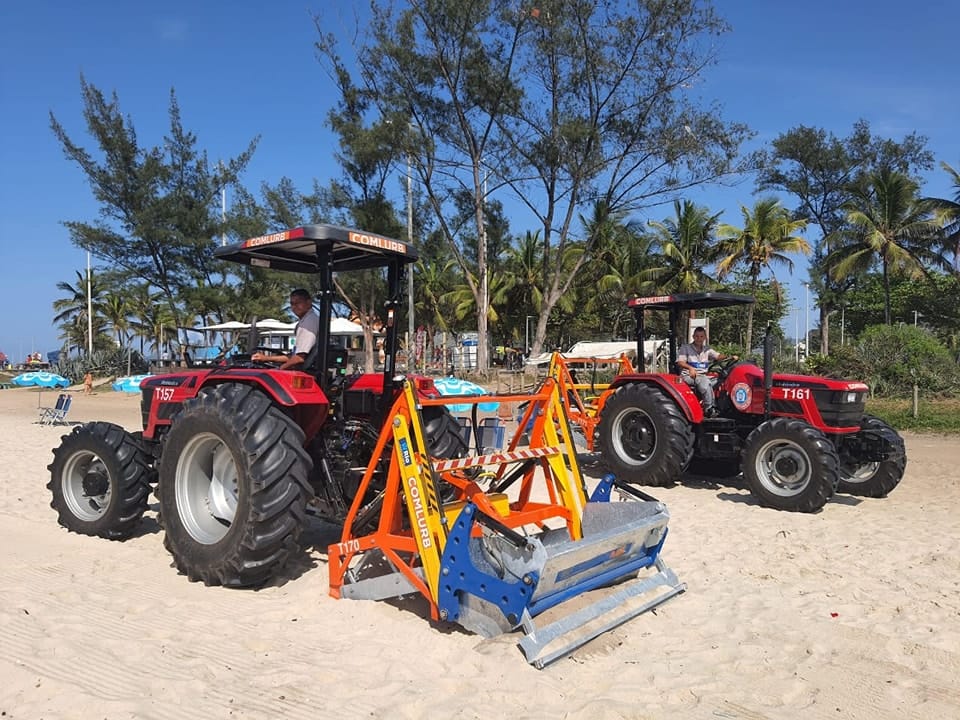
<point>767,371</point>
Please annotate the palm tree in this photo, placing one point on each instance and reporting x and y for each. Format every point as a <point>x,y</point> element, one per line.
<point>524,273</point>
<point>152,318</point>
<point>947,213</point>
<point>685,242</point>
<point>767,236</point>
<point>434,279</point>
<point>72,309</point>
<point>622,264</point>
<point>116,311</point>
<point>886,222</point>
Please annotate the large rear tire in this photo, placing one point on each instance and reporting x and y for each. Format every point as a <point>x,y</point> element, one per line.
<point>100,481</point>
<point>874,479</point>
<point>643,437</point>
<point>233,487</point>
<point>790,465</point>
<point>443,433</point>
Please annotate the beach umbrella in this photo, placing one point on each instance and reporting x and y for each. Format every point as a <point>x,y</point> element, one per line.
<point>456,386</point>
<point>40,378</point>
<point>129,384</point>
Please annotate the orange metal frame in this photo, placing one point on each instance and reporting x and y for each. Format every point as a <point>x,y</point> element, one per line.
<point>413,521</point>
<point>584,412</point>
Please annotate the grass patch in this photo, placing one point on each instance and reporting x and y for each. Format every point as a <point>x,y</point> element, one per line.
<point>932,416</point>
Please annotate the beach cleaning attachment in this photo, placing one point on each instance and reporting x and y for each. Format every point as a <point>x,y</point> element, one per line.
<point>494,542</point>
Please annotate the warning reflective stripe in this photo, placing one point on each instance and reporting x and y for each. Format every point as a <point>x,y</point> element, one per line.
<point>495,458</point>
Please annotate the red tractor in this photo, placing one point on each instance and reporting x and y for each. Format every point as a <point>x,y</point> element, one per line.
<point>241,452</point>
<point>796,438</point>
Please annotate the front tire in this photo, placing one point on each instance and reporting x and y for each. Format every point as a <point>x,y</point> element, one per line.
<point>643,437</point>
<point>100,481</point>
<point>233,487</point>
<point>874,479</point>
<point>790,465</point>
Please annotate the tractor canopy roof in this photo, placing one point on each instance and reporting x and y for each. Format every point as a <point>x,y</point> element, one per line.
<point>690,301</point>
<point>311,248</point>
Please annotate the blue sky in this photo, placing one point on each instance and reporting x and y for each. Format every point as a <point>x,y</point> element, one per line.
<point>242,69</point>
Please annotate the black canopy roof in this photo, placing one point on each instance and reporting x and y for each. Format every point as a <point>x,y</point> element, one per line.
<point>310,248</point>
<point>690,301</point>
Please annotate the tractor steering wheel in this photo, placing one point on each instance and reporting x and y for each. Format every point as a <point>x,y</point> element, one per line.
<point>244,359</point>
<point>722,367</point>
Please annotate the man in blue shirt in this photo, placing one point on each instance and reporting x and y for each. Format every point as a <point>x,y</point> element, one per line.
<point>693,359</point>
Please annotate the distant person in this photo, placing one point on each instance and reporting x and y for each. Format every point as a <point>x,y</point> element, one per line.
<point>88,384</point>
<point>693,359</point>
<point>304,335</point>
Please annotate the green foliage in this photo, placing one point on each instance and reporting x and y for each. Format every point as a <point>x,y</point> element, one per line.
<point>106,363</point>
<point>822,172</point>
<point>159,215</point>
<point>886,224</point>
<point>891,360</point>
<point>569,104</point>
<point>767,239</point>
<point>935,299</point>
<point>844,362</point>
<point>933,415</point>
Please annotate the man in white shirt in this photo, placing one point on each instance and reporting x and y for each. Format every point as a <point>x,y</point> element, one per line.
<point>305,333</point>
<point>693,359</point>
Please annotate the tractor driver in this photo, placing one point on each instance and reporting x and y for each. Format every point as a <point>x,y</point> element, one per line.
<point>693,359</point>
<point>305,333</point>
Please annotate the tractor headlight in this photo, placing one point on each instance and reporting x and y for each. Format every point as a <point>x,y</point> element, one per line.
<point>846,397</point>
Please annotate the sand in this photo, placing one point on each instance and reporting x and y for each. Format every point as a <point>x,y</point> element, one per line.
<point>853,612</point>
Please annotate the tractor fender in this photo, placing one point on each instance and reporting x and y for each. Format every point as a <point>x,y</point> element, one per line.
<point>284,387</point>
<point>681,393</point>
<point>163,395</point>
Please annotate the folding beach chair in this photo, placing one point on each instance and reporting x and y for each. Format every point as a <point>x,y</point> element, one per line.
<point>490,435</point>
<point>58,413</point>
<point>465,428</point>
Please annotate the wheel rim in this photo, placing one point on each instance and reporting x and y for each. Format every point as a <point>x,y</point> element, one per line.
<point>783,467</point>
<point>86,486</point>
<point>634,436</point>
<point>859,473</point>
<point>207,486</point>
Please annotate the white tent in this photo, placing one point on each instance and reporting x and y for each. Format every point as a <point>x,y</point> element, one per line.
<point>338,326</point>
<point>604,351</point>
<point>342,326</point>
<point>229,325</point>
<point>275,325</point>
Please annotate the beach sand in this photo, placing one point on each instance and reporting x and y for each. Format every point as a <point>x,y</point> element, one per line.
<point>853,612</point>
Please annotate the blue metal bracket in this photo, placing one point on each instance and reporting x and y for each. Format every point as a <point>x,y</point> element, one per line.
<point>460,574</point>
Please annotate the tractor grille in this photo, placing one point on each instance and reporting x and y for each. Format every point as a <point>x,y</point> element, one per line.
<point>786,407</point>
<point>837,413</point>
<point>146,402</point>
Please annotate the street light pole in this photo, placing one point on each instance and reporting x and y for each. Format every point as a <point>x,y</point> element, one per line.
<point>806,318</point>
<point>89,310</point>
<point>796,337</point>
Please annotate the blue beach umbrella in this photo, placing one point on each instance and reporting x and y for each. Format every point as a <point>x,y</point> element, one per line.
<point>129,384</point>
<point>40,378</point>
<point>456,386</point>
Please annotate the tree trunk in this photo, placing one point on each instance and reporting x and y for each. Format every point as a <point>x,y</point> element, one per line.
<point>886,293</point>
<point>824,331</point>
